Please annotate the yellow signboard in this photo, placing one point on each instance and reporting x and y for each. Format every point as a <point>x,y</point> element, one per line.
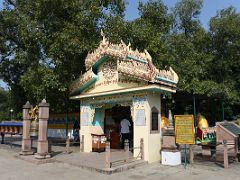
<point>184,129</point>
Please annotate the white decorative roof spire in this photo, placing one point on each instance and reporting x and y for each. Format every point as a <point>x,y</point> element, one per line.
<point>104,40</point>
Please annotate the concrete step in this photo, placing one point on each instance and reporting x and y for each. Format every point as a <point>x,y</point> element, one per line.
<point>125,166</point>
<point>115,169</point>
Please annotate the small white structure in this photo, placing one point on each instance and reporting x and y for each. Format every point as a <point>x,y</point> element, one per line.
<point>171,158</point>
<point>122,83</point>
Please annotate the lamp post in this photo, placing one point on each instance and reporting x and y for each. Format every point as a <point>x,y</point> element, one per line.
<point>11,111</point>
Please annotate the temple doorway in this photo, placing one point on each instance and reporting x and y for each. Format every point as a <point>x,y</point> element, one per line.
<point>112,125</point>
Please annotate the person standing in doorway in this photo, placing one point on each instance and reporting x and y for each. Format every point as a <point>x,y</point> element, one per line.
<point>125,132</point>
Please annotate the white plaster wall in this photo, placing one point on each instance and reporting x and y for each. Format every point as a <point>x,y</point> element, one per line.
<point>86,131</point>
<point>152,142</point>
<point>90,129</point>
<point>141,131</point>
<point>154,139</point>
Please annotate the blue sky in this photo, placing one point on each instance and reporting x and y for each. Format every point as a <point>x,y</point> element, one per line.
<point>2,84</point>
<point>209,10</point>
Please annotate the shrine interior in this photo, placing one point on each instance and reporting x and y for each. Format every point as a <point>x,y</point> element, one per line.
<point>112,127</point>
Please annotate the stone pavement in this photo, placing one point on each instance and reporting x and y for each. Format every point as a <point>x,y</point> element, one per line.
<point>12,168</point>
<point>96,161</point>
<point>92,161</point>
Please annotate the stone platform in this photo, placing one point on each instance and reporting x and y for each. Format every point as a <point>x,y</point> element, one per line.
<point>32,159</point>
<point>91,161</point>
<point>96,161</point>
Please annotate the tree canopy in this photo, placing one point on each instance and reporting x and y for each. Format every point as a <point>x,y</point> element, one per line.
<point>43,45</point>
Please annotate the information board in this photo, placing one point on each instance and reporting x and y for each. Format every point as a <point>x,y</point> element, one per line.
<point>184,129</point>
<point>140,117</point>
<point>84,119</point>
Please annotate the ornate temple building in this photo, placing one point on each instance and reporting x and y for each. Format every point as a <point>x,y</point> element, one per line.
<point>122,83</point>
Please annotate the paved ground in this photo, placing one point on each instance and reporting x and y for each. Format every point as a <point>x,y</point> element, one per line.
<point>12,168</point>
<point>94,159</point>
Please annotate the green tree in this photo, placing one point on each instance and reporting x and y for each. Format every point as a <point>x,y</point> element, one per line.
<point>225,35</point>
<point>191,49</point>
<point>4,105</point>
<point>186,15</point>
<point>43,45</point>
<point>151,31</point>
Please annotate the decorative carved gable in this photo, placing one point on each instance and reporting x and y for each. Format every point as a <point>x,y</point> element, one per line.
<point>116,66</point>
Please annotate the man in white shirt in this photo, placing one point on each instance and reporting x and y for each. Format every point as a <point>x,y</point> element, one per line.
<point>125,124</point>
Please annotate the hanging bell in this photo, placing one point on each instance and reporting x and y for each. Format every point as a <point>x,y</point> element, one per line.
<point>34,128</point>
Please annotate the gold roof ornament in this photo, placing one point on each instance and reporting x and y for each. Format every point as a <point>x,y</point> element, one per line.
<point>164,122</point>
<point>202,122</point>
<point>34,123</point>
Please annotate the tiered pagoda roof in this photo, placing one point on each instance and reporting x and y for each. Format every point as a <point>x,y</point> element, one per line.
<point>130,63</point>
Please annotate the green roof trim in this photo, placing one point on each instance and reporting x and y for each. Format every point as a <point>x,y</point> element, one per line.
<point>165,80</point>
<point>136,59</point>
<point>94,75</point>
<point>86,85</point>
<point>98,63</point>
